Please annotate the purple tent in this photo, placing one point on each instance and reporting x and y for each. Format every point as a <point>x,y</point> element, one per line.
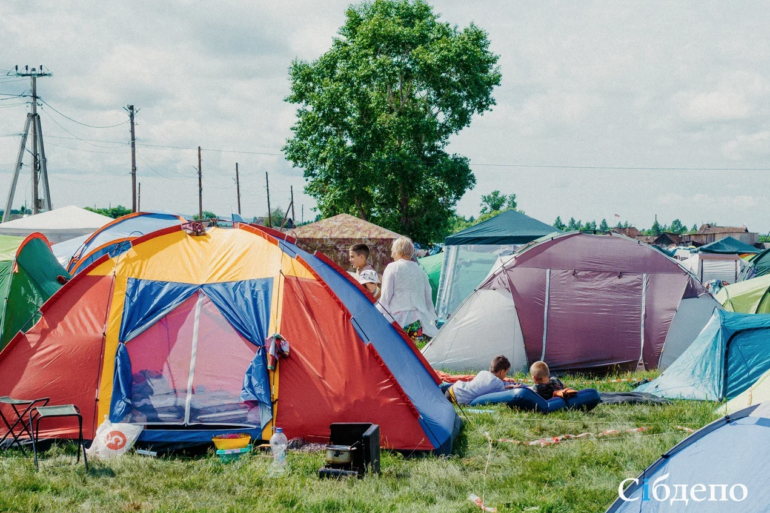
<point>578,302</point>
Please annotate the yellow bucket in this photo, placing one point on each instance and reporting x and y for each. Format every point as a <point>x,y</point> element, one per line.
<point>232,441</point>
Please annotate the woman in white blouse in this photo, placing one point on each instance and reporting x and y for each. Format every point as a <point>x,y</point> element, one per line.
<point>406,294</point>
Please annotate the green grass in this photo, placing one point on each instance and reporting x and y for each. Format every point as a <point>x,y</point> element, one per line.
<point>573,476</point>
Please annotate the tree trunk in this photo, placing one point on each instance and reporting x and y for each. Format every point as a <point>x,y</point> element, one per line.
<point>404,209</point>
<point>361,212</point>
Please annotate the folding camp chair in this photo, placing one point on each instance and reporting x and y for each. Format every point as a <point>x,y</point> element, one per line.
<point>19,421</point>
<point>48,412</point>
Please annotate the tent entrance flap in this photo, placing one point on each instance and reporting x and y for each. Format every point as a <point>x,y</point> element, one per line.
<point>194,365</point>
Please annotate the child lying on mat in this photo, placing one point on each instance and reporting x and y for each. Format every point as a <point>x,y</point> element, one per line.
<point>545,385</point>
<point>485,382</point>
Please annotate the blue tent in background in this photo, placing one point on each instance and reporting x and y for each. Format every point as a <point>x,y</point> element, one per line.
<point>729,355</point>
<point>114,238</point>
<point>739,444</point>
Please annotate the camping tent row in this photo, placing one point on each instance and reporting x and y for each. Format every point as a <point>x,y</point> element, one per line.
<point>188,324</point>
<point>29,275</point>
<point>471,254</point>
<point>720,260</point>
<point>577,302</point>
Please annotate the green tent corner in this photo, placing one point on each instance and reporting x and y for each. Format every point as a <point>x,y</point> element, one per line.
<point>432,267</point>
<point>749,296</point>
<point>29,275</point>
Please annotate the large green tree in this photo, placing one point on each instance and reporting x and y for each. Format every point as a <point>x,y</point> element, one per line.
<point>376,112</point>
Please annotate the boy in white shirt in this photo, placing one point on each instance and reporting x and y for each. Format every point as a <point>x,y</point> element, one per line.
<point>485,382</point>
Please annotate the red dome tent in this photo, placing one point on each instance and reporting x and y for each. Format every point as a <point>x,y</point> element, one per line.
<point>172,335</point>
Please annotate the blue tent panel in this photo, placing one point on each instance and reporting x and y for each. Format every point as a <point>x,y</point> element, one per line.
<point>739,443</point>
<point>729,355</point>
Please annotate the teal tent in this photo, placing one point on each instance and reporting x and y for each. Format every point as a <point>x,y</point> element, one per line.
<point>509,227</point>
<point>470,255</point>
<point>729,355</point>
<point>432,267</point>
<point>728,246</point>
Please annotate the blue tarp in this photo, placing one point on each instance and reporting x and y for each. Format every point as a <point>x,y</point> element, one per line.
<point>729,355</point>
<point>731,451</point>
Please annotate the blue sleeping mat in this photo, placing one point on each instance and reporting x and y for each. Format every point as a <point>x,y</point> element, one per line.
<point>526,399</point>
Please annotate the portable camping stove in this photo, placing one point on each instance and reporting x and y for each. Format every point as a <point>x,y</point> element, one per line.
<point>353,450</point>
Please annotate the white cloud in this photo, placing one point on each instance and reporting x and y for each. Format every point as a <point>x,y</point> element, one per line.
<point>744,146</point>
<point>594,83</point>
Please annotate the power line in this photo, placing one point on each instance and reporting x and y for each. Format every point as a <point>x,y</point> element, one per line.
<point>473,163</point>
<point>111,179</point>
<point>73,135</point>
<point>123,143</point>
<point>78,122</point>
<point>81,149</point>
<point>158,172</point>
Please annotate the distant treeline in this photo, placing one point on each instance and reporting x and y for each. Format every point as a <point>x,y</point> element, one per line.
<point>676,226</point>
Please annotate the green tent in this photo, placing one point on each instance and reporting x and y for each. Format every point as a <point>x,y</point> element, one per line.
<point>29,275</point>
<point>728,245</point>
<point>759,265</point>
<point>472,253</point>
<point>432,267</point>
<point>749,296</point>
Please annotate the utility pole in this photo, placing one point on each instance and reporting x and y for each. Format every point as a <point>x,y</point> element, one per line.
<point>303,213</point>
<point>269,212</point>
<point>131,113</point>
<point>35,159</point>
<point>200,187</point>
<point>293,216</point>
<point>39,163</point>
<point>139,199</point>
<point>238,187</point>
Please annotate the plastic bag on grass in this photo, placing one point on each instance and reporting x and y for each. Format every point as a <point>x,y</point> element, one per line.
<point>113,440</point>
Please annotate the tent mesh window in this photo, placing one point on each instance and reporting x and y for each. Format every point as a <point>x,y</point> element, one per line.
<point>188,368</point>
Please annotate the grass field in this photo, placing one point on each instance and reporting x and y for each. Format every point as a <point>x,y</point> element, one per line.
<point>573,476</point>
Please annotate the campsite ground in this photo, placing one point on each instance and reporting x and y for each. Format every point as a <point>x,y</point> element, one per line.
<point>573,476</point>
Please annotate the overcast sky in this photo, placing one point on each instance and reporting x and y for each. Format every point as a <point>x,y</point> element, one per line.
<point>586,85</point>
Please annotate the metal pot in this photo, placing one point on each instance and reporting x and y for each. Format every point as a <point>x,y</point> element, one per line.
<point>339,454</point>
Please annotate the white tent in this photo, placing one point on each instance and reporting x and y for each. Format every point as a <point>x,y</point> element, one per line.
<point>715,266</point>
<point>57,225</point>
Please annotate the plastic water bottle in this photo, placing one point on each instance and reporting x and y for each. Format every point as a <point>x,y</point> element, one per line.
<point>278,443</point>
